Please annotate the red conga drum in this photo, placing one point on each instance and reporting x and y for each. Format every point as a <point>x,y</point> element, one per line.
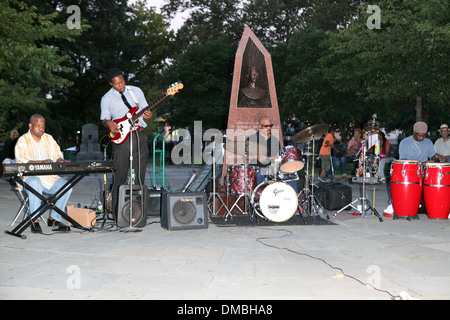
<point>406,187</point>
<point>436,190</point>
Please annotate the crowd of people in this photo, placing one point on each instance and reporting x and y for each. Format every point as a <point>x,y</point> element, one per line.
<point>415,147</point>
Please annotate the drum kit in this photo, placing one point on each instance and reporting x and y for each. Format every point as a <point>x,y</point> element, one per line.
<point>274,199</point>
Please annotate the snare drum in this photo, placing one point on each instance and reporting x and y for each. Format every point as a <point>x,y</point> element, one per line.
<point>291,159</point>
<point>274,201</point>
<point>436,190</point>
<point>406,187</point>
<point>236,178</point>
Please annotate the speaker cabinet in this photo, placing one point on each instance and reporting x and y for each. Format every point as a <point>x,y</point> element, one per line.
<point>139,203</point>
<point>154,202</point>
<point>181,211</point>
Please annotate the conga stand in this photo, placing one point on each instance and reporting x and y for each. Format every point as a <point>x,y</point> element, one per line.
<point>365,203</point>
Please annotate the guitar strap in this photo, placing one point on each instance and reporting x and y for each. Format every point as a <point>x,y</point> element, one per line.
<point>124,99</point>
<point>133,97</point>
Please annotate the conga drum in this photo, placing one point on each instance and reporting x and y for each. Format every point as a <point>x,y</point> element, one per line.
<point>436,190</point>
<point>406,187</point>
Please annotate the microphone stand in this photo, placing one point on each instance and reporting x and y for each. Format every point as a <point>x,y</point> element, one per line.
<point>131,178</point>
<point>365,203</point>
<point>105,210</point>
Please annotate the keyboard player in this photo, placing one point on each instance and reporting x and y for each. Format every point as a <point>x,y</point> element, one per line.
<point>38,146</point>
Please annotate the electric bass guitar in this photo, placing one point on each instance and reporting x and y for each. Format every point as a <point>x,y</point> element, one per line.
<point>124,123</point>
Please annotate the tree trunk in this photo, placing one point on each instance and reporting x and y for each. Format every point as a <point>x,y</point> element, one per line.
<point>419,109</point>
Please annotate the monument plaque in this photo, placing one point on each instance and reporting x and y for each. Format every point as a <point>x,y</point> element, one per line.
<point>253,94</point>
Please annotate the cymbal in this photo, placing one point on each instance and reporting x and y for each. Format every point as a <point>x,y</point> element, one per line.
<point>239,148</point>
<point>307,134</point>
<point>309,154</point>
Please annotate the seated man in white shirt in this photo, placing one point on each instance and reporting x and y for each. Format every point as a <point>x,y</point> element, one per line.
<point>37,146</point>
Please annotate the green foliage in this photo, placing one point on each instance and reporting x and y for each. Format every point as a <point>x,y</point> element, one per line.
<point>29,67</point>
<point>328,65</point>
<point>406,60</point>
<point>206,71</point>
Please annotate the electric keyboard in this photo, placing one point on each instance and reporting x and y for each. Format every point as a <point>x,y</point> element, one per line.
<point>48,168</point>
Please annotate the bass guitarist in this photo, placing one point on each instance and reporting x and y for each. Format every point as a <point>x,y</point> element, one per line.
<point>116,104</point>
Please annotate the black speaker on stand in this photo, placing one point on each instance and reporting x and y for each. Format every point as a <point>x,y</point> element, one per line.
<point>184,210</point>
<point>139,209</point>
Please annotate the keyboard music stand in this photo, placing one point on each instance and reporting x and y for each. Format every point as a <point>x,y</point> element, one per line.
<point>47,203</point>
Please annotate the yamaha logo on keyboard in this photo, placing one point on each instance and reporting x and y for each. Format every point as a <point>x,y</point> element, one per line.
<point>40,167</point>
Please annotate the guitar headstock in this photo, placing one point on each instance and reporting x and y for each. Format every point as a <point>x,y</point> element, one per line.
<point>174,88</point>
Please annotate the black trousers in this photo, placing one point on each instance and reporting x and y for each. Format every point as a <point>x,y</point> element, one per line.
<point>122,163</point>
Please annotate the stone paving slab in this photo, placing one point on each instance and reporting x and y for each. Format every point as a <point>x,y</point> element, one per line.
<point>226,263</point>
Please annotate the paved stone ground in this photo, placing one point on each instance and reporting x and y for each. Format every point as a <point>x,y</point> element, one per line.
<point>226,263</point>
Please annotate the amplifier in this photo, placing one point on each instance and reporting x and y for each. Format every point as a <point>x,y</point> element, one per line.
<point>184,210</point>
<point>334,196</point>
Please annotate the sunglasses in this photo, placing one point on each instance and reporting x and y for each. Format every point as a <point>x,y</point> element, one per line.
<point>266,125</point>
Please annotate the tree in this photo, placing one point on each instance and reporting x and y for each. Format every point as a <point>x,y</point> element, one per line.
<point>134,39</point>
<point>308,93</point>
<point>206,71</point>
<point>274,21</point>
<point>404,63</point>
<point>30,68</point>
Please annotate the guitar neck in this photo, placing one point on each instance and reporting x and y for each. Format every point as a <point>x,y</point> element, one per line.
<point>149,107</point>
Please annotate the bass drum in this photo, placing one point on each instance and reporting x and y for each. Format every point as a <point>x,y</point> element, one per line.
<point>274,201</point>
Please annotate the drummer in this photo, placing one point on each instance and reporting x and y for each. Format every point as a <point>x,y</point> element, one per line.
<point>417,146</point>
<point>271,145</point>
<point>268,142</point>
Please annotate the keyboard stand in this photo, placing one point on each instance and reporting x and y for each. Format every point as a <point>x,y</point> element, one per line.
<point>48,203</point>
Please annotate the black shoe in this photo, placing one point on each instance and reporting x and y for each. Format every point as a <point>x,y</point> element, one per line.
<point>36,228</point>
<point>61,227</point>
<point>52,222</point>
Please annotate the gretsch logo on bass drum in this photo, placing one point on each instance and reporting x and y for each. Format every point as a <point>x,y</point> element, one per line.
<point>277,191</point>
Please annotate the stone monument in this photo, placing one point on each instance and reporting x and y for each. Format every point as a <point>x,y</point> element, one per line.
<point>90,147</point>
<point>253,94</point>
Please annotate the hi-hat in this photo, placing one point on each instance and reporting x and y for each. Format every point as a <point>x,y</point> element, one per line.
<point>240,147</point>
<point>309,154</point>
<point>309,133</point>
